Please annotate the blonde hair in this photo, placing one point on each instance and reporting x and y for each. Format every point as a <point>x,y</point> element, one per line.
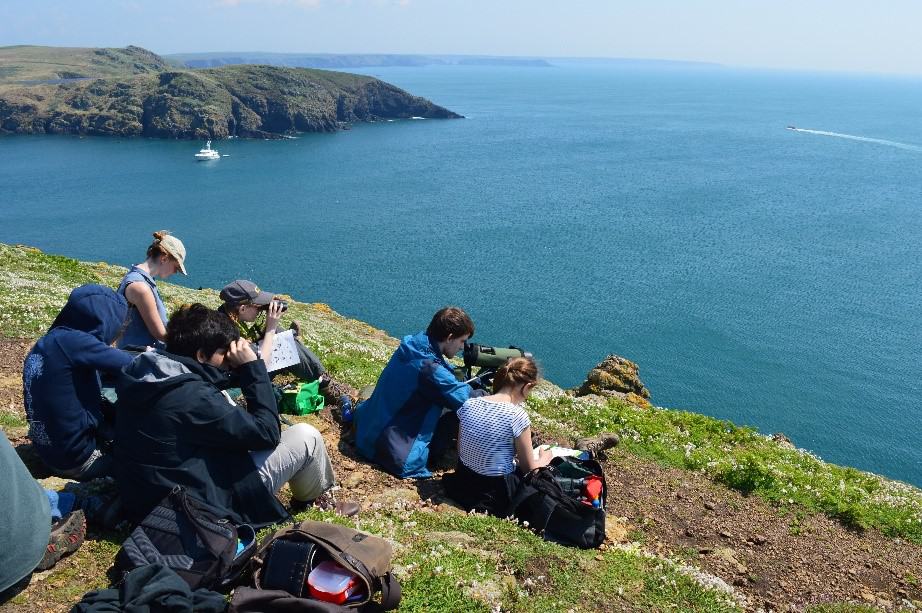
<point>515,372</point>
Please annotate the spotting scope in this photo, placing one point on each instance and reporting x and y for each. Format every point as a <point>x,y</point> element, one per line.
<point>488,359</point>
<point>486,356</point>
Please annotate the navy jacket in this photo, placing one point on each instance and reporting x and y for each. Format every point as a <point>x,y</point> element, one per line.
<point>176,427</point>
<point>395,426</point>
<point>60,378</point>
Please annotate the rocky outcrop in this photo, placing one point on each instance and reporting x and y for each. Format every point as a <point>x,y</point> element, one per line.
<point>245,101</point>
<point>616,377</point>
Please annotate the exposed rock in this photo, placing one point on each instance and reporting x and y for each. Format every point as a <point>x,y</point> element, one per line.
<point>618,377</point>
<point>781,439</point>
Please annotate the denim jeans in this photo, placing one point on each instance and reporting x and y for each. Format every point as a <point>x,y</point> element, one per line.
<point>300,459</point>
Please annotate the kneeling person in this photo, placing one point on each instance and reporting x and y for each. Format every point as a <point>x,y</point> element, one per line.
<point>177,427</point>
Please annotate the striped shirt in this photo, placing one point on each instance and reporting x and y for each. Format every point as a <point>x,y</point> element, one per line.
<point>488,431</point>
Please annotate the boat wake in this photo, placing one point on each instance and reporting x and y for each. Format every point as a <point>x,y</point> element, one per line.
<point>864,139</point>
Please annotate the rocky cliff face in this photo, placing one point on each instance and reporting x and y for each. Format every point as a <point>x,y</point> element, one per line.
<point>246,101</point>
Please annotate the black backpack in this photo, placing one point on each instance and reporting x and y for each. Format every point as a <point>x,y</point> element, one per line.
<point>187,536</point>
<point>549,502</point>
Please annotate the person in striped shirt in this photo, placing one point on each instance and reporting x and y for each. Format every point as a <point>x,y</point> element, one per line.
<point>494,443</point>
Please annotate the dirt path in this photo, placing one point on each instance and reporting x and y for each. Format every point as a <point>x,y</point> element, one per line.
<point>778,558</point>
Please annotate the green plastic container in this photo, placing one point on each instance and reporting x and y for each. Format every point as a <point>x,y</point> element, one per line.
<point>303,400</point>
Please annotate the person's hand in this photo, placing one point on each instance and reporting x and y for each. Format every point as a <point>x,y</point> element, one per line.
<point>239,353</point>
<point>544,457</point>
<point>273,315</point>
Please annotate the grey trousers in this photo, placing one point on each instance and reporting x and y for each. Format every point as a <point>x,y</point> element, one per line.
<point>309,368</point>
<point>301,460</point>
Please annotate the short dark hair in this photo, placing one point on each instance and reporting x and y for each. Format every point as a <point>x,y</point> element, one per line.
<point>449,321</point>
<point>195,327</point>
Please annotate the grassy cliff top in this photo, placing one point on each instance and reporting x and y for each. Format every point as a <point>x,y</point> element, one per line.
<point>35,63</point>
<point>703,515</point>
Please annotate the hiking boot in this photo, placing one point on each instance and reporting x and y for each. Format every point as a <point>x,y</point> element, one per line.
<point>340,395</point>
<point>335,390</point>
<point>327,502</point>
<point>66,537</point>
<point>596,445</point>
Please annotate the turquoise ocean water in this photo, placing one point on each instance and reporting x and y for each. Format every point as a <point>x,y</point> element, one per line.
<point>755,273</point>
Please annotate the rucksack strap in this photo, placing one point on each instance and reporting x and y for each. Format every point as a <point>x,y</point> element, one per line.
<point>390,592</point>
<point>388,584</point>
<point>535,500</point>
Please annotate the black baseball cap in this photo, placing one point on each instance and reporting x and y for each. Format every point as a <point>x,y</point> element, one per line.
<point>241,290</point>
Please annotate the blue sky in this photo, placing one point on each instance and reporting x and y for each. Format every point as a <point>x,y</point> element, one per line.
<point>843,35</point>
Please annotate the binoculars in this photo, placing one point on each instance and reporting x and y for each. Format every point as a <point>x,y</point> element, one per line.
<point>487,357</point>
<point>265,307</point>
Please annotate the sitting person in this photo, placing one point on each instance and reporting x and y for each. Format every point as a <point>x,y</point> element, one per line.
<point>177,427</point>
<point>243,303</point>
<point>147,319</point>
<point>410,417</point>
<point>61,383</point>
<point>39,526</point>
<point>495,442</point>
<point>498,470</point>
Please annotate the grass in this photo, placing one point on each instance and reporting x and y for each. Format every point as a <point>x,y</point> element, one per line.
<point>8,419</point>
<point>450,561</point>
<point>747,461</point>
<point>33,63</point>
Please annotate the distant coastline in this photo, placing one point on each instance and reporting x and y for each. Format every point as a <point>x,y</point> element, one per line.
<point>339,61</point>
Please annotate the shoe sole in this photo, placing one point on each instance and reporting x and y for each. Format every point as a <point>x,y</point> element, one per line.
<point>65,538</point>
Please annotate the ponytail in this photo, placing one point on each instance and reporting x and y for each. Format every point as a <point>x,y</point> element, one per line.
<point>155,250</point>
<point>516,372</point>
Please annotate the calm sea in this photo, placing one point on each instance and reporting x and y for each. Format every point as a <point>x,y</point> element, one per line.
<point>758,274</point>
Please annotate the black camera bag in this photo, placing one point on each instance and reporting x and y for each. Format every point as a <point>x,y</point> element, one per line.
<point>549,504</point>
<point>187,536</point>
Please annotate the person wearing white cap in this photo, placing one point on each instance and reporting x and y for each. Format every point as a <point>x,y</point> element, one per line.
<point>146,313</point>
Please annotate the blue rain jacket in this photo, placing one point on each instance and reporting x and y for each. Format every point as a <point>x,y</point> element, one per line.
<point>60,376</point>
<point>394,427</point>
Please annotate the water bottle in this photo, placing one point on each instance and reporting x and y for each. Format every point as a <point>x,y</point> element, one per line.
<point>346,410</point>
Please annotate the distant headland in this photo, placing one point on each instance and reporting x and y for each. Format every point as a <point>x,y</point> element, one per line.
<point>135,92</point>
<point>343,61</point>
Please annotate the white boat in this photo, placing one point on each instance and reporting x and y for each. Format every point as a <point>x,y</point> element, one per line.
<point>207,153</point>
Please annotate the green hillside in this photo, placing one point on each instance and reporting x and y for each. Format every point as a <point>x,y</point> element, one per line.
<point>34,63</point>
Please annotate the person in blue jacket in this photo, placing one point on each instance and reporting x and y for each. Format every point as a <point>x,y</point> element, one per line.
<point>61,384</point>
<point>416,395</point>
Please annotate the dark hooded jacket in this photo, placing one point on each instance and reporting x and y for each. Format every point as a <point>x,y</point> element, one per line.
<point>60,376</point>
<point>176,427</point>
